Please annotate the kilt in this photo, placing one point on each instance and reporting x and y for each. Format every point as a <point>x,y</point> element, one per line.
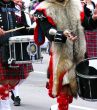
<point>13,75</point>
<point>91,43</point>
<point>20,72</point>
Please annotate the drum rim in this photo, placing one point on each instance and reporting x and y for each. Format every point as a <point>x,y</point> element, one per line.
<point>21,38</point>
<point>86,76</point>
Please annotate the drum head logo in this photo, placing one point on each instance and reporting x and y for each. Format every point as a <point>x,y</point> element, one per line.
<point>32,49</point>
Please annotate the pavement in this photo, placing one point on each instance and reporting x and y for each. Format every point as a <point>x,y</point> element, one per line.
<point>34,95</point>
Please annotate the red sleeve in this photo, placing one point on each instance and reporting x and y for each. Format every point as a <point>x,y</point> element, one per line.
<point>82,15</point>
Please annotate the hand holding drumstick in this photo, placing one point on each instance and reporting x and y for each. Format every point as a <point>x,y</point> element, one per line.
<point>2,32</point>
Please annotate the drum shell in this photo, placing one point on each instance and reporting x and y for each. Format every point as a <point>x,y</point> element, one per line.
<point>87,80</point>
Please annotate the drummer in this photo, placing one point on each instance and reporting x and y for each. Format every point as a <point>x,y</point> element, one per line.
<point>20,4</point>
<point>9,77</point>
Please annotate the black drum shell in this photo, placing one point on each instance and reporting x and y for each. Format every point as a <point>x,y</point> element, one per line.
<point>87,80</point>
<point>23,48</point>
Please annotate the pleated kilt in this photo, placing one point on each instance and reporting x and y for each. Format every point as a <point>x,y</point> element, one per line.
<point>91,43</point>
<point>20,72</point>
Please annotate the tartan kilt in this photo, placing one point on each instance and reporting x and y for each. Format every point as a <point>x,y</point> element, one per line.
<point>20,72</point>
<point>91,43</point>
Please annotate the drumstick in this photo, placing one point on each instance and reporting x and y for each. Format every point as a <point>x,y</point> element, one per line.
<point>12,30</point>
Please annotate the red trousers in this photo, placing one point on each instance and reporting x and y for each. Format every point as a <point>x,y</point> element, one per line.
<point>63,101</point>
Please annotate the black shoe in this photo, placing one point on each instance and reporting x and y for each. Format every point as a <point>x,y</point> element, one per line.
<point>17,101</point>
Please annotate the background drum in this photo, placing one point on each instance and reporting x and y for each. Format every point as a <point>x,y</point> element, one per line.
<point>22,48</point>
<point>87,79</point>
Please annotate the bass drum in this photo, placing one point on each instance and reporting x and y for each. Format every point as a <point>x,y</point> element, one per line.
<point>86,72</point>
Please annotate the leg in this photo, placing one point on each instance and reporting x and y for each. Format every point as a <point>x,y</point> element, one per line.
<point>15,96</point>
<point>64,98</point>
<point>15,93</point>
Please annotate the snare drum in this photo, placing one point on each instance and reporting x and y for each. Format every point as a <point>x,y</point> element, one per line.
<point>21,49</point>
<point>87,79</point>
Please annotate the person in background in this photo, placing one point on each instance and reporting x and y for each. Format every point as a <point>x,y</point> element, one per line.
<point>89,7</point>
<point>83,4</point>
<point>9,77</point>
<point>90,27</point>
<point>59,21</point>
